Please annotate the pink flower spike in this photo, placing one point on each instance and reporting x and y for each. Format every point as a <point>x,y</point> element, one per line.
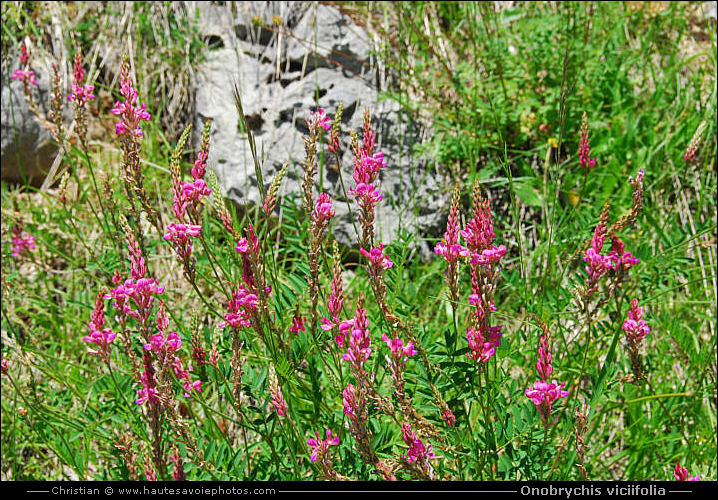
<point>326,324</point>
<point>319,120</point>
<point>489,256</point>
<point>21,242</point>
<point>449,417</point>
<point>242,307</point>
<point>479,231</point>
<point>297,324</point>
<point>319,446</point>
<point>323,210</point>
<point>635,327</point>
<point>81,93</point>
<point>27,76</point>
<point>278,401</point>
<point>190,386</point>
<point>480,349</point>
<point>584,147</point>
<point>148,392</point>
<point>418,451</point>
<point>544,395</point>
<point>23,56</point>
<point>356,335</point>
<point>178,474</point>
<point>397,347</point>
<point>377,257</point>
<point>242,245</point>
<point>681,474</point>
<point>129,111</point>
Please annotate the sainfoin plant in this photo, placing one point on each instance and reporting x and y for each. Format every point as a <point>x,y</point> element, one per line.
<point>230,347</point>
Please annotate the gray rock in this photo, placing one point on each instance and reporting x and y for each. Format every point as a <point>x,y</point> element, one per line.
<point>27,149</point>
<point>276,108</point>
<point>709,10</point>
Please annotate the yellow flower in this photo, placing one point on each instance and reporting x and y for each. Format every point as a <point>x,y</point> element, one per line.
<point>573,197</point>
<point>553,142</point>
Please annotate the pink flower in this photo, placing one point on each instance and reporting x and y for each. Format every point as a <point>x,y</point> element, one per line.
<point>178,474</point>
<point>80,93</point>
<point>179,234</point>
<point>418,451</point>
<point>349,401</point>
<point>188,195</point>
<point>544,395</point>
<point>21,242</point>
<point>622,260</point>
<point>358,338</point>
<point>323,210</point>
<point>377,258</point>
<point>242,245</point>
<point>479,231</point>
<point>297,324</point>
<point>596,264</point>
<point>397,347</point>
<point>367,164</point>
<point>319,120</point>
<point>27,76</point>
<point>367,194</point>
<point>129,111</point>
<point>480,347</point>
<point>148,392</point>
<point>241,308</point>
<point>194,191</point>
<point>368,168</point>
<point>161,344</point>
<point>489,256</point>
<point>451,253</point>
<point>635,327</point>
<point>344,330</point>
<point>23,56</point>
<point>639,179</point>
<point>278,401</point>
<point>448,416</point>
<point>141,292</point>
<point>326,324</point>
<point>200,165</point>
<point>3,365</point>
<point>681,474</point>
<point>249,248</point>
<point>192,386</point>
<point>584,147</point>
<point>100,336</point>
<point>320,447</point>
